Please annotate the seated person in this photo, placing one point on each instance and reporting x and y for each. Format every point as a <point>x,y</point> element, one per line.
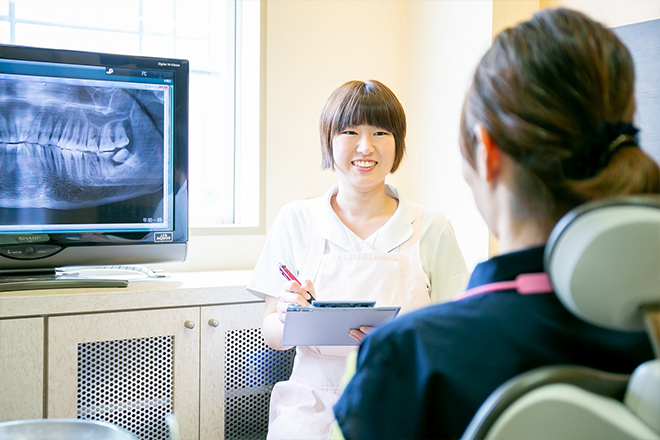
<point>546,126</point>
<point>362,230</point>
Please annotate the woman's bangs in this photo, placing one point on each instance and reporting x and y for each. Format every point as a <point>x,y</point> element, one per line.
<point>365,111</point>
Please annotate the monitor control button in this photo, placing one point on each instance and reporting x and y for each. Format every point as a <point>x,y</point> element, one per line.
<point>29,252</point>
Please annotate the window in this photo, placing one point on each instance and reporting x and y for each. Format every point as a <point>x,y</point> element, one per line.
<point>221,39</point>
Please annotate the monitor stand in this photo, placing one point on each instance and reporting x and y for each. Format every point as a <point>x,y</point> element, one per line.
<point>51,279</point>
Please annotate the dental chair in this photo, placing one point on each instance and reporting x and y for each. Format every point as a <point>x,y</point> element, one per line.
<point>603,260</point>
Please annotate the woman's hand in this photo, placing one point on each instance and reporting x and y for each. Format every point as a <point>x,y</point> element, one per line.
<point>361,333</point>
<point>275,311</point>
<point>293,293</point>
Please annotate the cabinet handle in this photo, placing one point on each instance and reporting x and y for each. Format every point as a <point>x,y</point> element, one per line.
<point>213,322</point>
<point>189,324</point>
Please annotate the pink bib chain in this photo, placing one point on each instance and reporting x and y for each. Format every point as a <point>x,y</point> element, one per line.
<point>525,284</point>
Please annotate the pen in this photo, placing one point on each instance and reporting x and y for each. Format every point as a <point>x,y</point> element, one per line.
<point>289,276</point>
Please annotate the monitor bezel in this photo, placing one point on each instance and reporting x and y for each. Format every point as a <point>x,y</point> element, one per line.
<point>96,248</point>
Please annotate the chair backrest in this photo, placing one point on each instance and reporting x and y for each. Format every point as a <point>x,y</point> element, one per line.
<point>603,259</point>
<point>604,263</point>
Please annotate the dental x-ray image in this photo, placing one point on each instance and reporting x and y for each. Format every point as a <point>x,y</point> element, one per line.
<point>68,149</point>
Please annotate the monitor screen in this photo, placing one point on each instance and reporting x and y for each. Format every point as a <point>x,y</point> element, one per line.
<point>93,158</point>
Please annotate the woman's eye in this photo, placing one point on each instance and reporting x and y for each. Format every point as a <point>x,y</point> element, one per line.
<point>381,133</point>
<point>349,132</point>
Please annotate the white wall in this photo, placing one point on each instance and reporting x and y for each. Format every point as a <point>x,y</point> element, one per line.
<point>444,42</point>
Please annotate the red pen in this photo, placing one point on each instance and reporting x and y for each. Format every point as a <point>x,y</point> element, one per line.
<point>289,276</point>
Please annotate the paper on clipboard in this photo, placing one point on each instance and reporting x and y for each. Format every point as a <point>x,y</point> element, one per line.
<point>330,325</point>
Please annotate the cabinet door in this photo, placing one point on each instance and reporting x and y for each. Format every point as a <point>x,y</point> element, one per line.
<point>127,368</point>
<point>21,369</point>
<point>238,372</point>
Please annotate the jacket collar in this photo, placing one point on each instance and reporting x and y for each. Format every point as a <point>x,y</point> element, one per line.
<point>507,267</point>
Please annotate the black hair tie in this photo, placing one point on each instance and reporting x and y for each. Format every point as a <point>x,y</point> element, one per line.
<point>598,149</point>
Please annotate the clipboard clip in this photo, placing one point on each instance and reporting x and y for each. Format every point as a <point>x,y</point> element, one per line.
<point>298,307</point>
<point>343,304</point>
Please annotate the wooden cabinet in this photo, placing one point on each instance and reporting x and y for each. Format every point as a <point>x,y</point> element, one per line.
<point>132,357</point>
<point>21,368</point>
<point>134,368</point>
<point>225,358</point>
<point>128,368</point>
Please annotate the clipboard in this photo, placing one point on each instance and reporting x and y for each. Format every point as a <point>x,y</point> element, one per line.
<point>329,325</point>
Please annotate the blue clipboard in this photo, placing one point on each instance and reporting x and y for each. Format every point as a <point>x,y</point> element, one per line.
<point>329,325</point>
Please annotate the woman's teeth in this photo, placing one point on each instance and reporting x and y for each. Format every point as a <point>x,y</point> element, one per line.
<point>364,163</point>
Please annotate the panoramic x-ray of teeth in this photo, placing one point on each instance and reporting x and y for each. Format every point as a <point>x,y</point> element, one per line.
<point>68,146</point>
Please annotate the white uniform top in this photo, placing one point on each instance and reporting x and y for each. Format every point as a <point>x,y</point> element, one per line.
<point>386,267</point>
<point>441,257</point>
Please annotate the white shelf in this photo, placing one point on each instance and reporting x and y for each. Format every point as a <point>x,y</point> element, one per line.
<point>179,290</point>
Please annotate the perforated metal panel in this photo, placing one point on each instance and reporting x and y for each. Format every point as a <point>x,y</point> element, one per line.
<point>129,383</point>
<point>251,370</point>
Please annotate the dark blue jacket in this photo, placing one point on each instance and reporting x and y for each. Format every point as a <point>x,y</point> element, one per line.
<point>425,374</point>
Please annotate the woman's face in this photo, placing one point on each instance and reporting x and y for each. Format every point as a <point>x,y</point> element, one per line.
<point>363,155</point>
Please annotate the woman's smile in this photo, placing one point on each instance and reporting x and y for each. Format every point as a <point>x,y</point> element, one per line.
<point>364,164</point>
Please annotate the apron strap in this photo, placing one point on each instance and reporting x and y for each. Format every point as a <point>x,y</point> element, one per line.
<point>418,211</point>
<point>313,253</point>
<point>525,284</point>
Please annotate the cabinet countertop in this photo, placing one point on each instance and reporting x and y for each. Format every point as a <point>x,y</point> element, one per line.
<point>180,289</point>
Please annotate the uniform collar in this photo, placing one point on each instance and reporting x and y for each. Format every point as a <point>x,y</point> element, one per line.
<point>392,234</point>
<point>507,267</point>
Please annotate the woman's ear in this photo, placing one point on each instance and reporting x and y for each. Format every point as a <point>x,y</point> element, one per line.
<point>489,155</point>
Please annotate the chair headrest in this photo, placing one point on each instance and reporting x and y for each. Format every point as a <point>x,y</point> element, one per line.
<point>603,259</point>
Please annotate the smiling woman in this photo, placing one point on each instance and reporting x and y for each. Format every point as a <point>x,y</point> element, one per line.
<point>361,241</point>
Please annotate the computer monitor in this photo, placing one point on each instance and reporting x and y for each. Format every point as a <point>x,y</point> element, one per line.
<point>93,159</point>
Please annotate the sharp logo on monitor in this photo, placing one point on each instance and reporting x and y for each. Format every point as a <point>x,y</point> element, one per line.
<point>31,238</point>
<point>163,237</point>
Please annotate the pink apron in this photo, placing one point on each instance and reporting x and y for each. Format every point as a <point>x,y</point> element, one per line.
<point>301,408</point>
